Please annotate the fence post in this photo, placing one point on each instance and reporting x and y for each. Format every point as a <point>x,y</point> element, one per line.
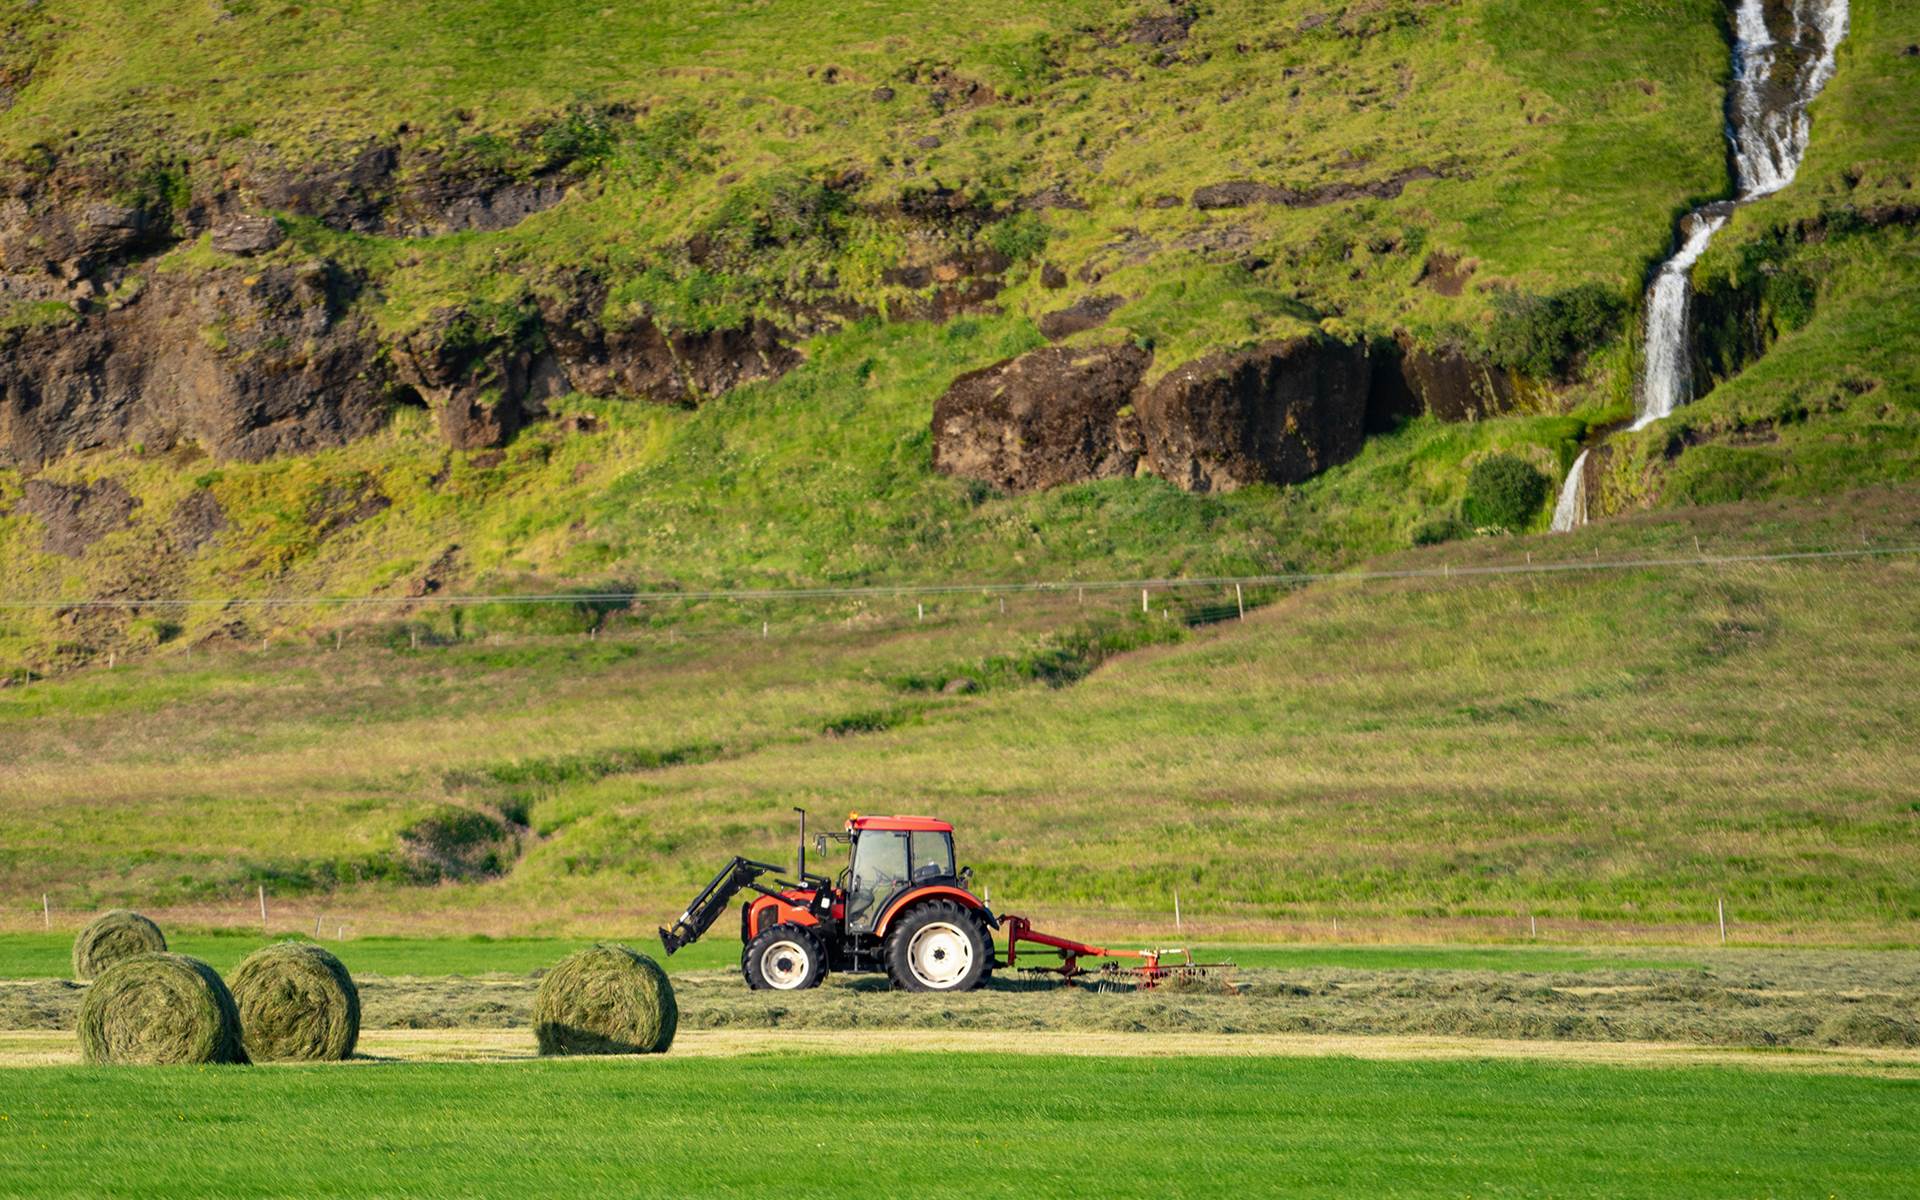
<point>46,910</point>
<point>921,609</point>
<point>1143,601</point>
<point>1723,920</point>
<point>763,629</point>
<point>1240,601</point>
<point>263,908</point>
<point>1533,926</point>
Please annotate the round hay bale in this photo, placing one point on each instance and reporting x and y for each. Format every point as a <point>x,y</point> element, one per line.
<point>111,937</point>
<point>160,1008</point>
<point>297,1003</point>
<point>606,999</point>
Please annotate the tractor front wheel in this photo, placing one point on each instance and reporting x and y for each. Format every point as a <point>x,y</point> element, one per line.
<point>938,947</point>
<point>784,958</point>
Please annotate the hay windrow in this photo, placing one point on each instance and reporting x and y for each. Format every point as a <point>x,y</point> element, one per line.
<point>297,1003</point>
<point>606,999</point>
<point>160,1008</point>
<point>112,936</point>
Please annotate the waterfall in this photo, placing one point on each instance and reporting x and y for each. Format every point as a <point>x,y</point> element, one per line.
<point>1570,512</point>
<point>1768,128</point>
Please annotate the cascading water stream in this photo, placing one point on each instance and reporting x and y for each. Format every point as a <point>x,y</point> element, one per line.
<point>1774,81</point>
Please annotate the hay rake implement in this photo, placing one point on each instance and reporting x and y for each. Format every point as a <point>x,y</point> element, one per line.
<point>1156,966</point>
<point>901,907</point>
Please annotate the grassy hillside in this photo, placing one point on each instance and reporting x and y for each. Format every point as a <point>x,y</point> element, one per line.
<point>1586,747</point>
<point>1569,139</point>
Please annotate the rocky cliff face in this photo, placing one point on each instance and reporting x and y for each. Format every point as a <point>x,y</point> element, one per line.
<point>255,359</point>
<point>1278,413</point>
<point>1050,417</point>
<point>248,364</point>
<point>269,350</point>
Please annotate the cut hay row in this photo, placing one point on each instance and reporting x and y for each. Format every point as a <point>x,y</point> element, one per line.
<point>297,1004</point>
<point>160,1008</point>
<point>606,999</point>
<point>113,936</point>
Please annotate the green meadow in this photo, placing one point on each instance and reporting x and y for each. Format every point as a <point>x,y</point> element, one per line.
<point>992,1126</point>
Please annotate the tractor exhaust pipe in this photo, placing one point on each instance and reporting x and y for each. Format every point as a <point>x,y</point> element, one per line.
<point>801,871</point>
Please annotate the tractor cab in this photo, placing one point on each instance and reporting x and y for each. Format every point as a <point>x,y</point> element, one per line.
<point>892,855</point>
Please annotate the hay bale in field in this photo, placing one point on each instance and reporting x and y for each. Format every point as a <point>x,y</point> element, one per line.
<point>160,1008</point>
<point>297,1003</point>
<point>111,937</point>
<point>606,999</point>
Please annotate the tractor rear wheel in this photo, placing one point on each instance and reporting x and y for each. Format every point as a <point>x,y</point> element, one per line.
<point>784,958</point>
<point>937,947</point>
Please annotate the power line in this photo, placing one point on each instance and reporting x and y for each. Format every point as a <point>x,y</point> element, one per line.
<point>770,595</point>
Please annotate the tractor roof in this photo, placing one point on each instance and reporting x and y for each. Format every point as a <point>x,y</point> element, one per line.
<point>911,824</point>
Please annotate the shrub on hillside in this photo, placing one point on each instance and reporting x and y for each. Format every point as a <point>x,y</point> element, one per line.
<point>1504,492</point>
<point>1439,529</point>
<point>1546,336</point>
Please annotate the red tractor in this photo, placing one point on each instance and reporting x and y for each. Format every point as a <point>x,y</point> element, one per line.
<point>900,906</point>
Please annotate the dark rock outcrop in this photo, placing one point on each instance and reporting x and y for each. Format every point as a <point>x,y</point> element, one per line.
<point>639,359</point>
<point>1452,385</point>
<point>247,235</point>
<point>247,365</point>
<point>196,520</point>
<point>1241,193</point>
<point>1279,413</point>
<point>1080,316</point>
<point>472,365</point>
<point>1049,417</point>
<point>77,515</point>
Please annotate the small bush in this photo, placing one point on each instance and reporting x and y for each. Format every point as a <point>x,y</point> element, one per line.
<point>1504,492</point>
<point>1546,336</point>
<point>1437,530</point>
<point>1019,237</point>
<point>583,135</point>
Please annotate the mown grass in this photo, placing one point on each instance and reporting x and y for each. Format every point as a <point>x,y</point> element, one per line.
<point>47,956</point>
<point>1131,1127</point>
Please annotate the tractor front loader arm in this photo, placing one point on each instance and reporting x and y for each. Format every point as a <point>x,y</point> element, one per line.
<point>712,901</point>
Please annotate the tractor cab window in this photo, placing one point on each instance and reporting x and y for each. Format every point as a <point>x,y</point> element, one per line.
<point>879,874</point>
<point>932,857</point>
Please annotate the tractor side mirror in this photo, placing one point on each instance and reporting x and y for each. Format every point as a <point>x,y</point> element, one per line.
<point>819,843</point>
<point>966,878</point>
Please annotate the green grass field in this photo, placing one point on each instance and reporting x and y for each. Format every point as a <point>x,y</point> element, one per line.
<point>992,1126</point>
<point>1586,748</point>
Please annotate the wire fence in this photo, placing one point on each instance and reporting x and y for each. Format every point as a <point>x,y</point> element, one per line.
<point>1445,571</point>
<point>671,616</point>
<point>333,918</point>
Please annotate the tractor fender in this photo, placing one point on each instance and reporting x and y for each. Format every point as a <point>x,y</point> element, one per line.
<point>938,891</point>
<point>762,912</point>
